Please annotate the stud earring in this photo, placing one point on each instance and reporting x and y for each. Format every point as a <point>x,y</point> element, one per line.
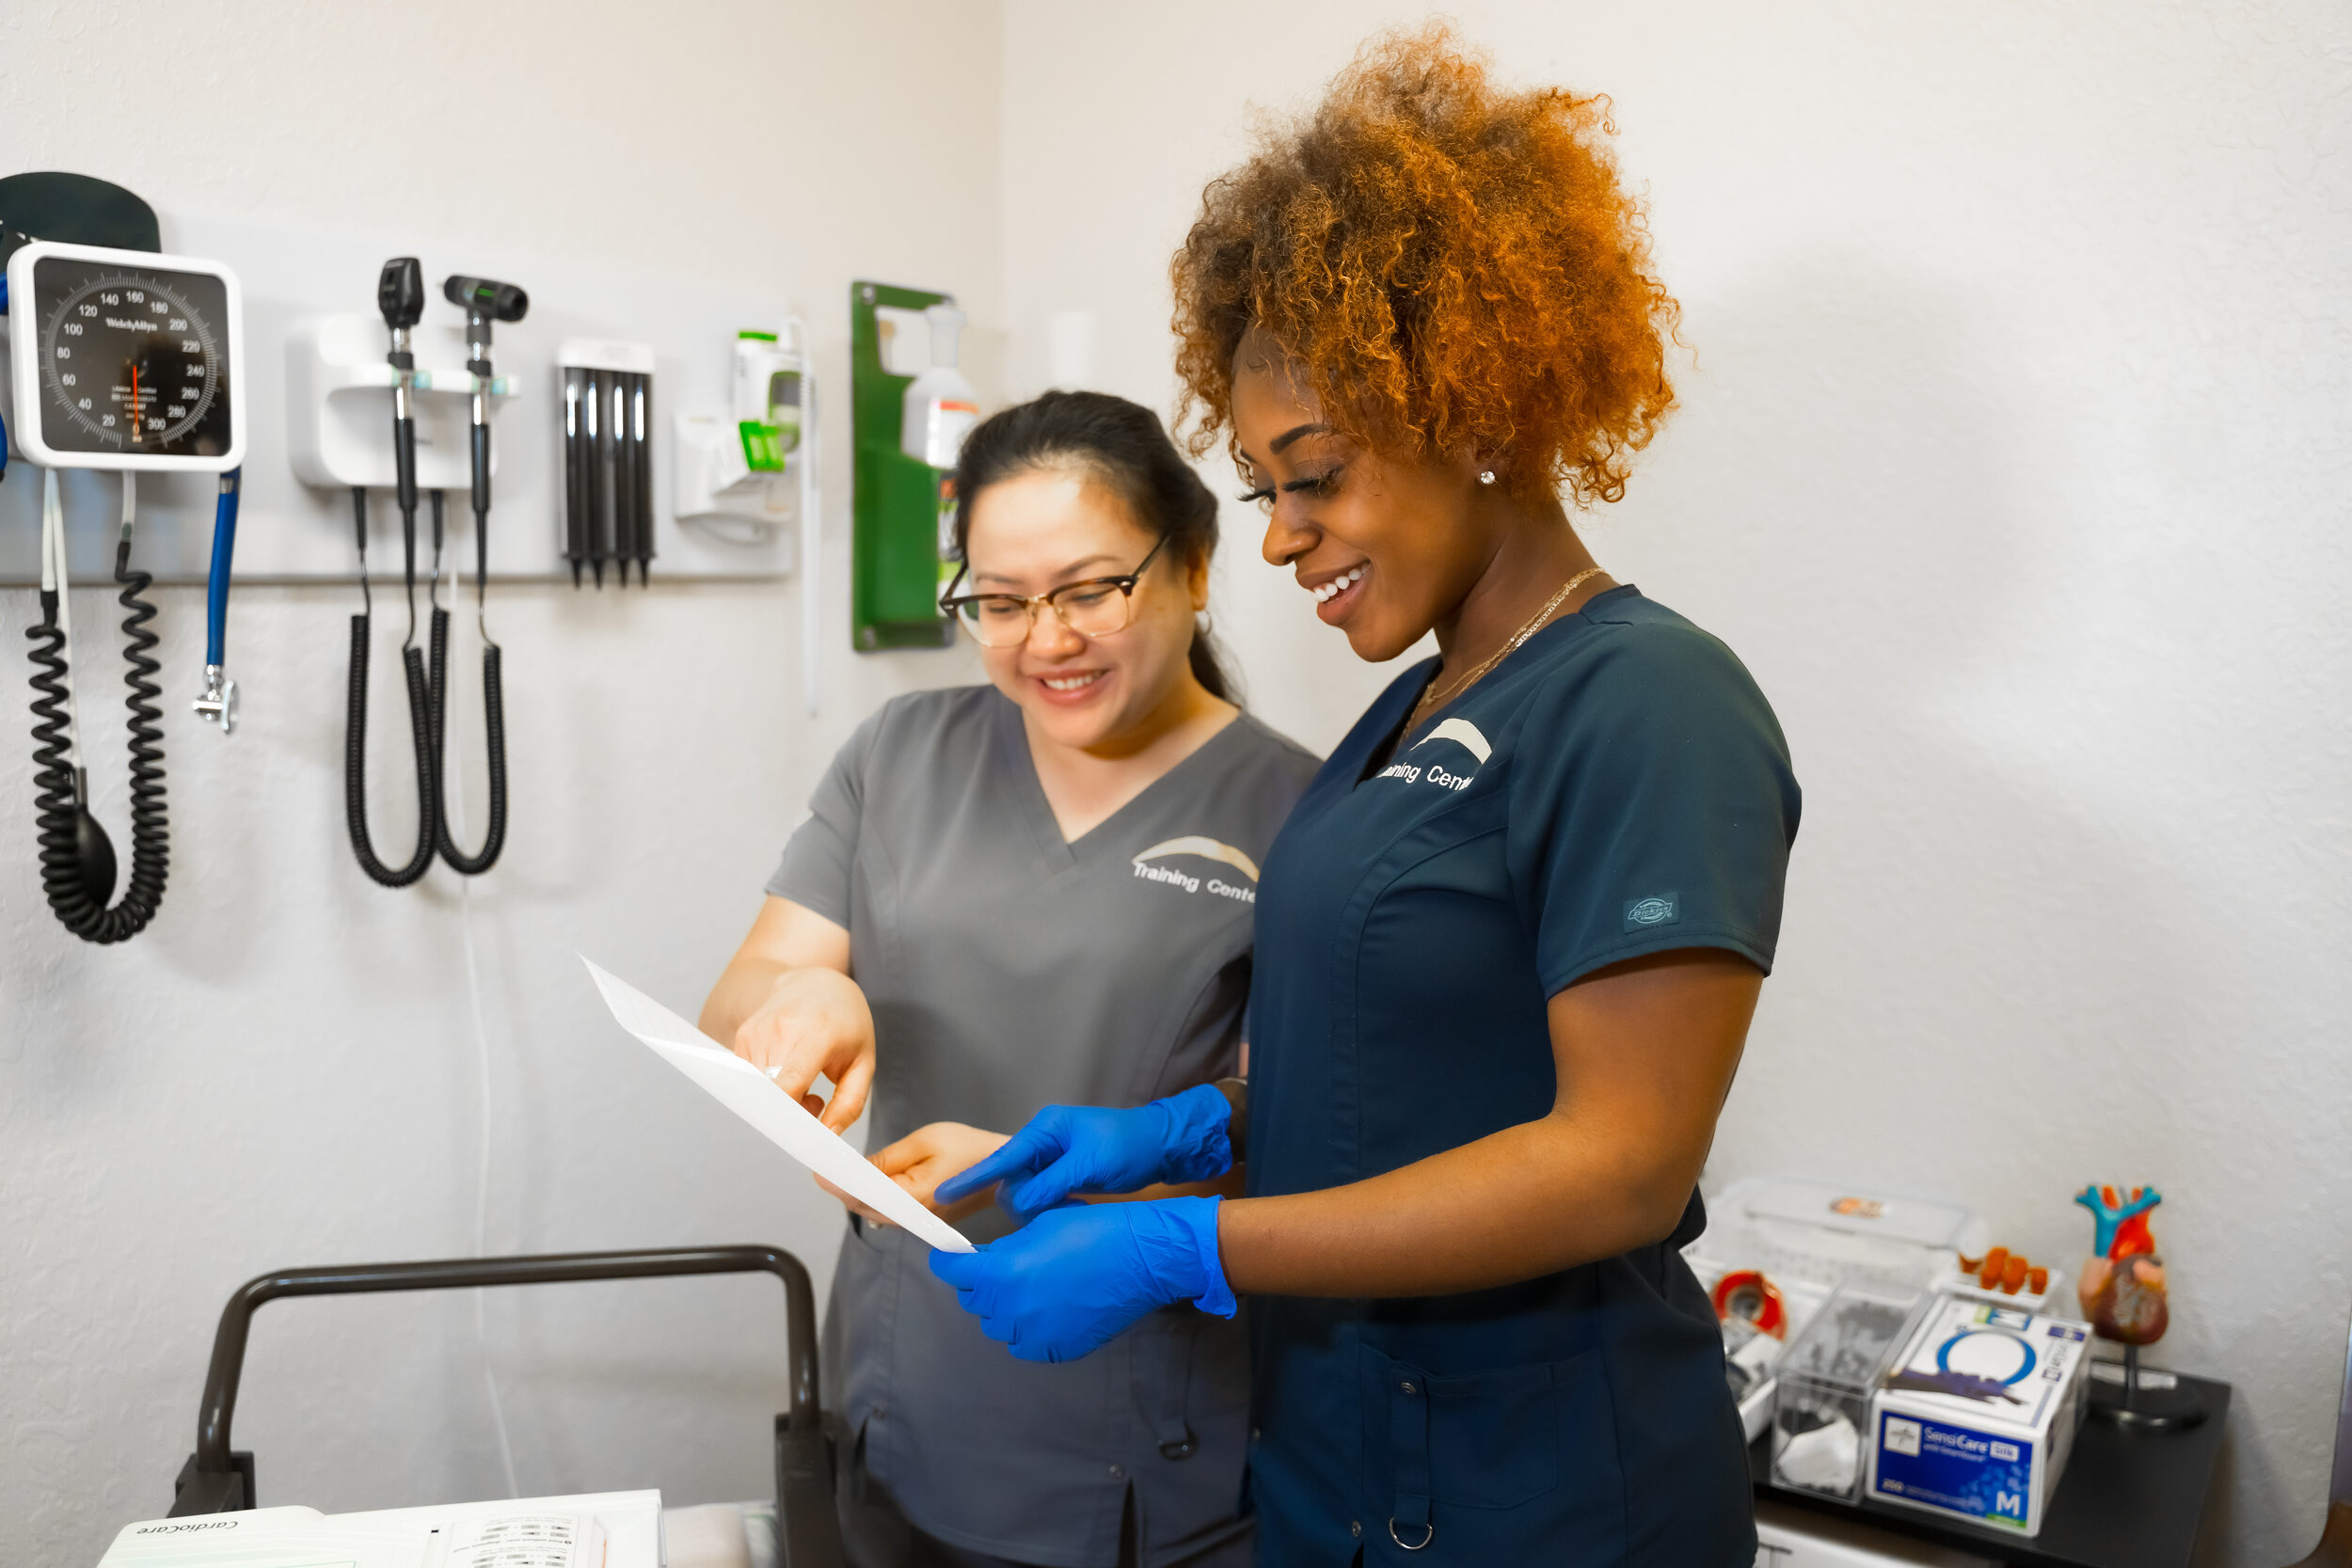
<point>1486,476</point>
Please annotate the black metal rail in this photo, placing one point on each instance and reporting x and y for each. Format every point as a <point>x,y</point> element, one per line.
<point>218,1480</point>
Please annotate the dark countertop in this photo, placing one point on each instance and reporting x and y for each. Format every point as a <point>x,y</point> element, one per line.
<point>2128,1499</point>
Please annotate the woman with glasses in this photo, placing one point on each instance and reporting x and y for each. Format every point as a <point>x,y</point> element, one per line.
<point>1510,941</point>
<point>1036,890</point>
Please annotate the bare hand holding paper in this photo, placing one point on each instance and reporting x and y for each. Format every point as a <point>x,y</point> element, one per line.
<point>745,1090</point>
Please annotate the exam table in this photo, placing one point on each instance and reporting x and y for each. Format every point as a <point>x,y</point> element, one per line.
<point>806,1530</point>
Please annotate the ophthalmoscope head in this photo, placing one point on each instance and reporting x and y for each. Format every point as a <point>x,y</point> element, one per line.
<point>400,293</point>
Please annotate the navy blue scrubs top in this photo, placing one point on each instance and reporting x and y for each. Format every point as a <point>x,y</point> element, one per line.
<point>1617,786</point>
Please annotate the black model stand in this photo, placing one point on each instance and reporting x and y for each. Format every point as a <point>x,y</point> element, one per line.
<point>2137,1406</point>
<point>219,1479</point>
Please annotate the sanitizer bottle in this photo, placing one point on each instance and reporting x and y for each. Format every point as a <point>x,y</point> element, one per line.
<point>940,408</point>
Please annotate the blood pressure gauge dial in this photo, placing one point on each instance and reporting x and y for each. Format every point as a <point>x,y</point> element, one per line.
<point>125,359</point>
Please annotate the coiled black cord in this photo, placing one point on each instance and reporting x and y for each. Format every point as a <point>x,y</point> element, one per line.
<point>54,797</point>
<point>494,718</point>
<point>58,802</point>
<point>421,712</point>
<point>493,708</point>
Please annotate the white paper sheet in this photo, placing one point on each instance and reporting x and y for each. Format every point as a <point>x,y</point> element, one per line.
<point>783,1120</point>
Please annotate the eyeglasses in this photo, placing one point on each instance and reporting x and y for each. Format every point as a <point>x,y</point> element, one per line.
<point>1093,606</point>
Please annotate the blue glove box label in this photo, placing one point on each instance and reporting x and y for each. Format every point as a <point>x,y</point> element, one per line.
<point>1969,1473</point>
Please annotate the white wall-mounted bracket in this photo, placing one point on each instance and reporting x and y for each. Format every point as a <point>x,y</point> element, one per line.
<point>338,404</point>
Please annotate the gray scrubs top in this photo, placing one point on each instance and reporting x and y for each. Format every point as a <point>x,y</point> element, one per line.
<point>1009,970</point>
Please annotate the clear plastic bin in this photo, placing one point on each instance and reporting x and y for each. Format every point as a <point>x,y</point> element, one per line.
<point>1822,1413</point>
<point>1805,1236</point>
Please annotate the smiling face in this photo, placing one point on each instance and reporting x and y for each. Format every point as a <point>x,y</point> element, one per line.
<point>1038,529</point>
<point>1388,550</point>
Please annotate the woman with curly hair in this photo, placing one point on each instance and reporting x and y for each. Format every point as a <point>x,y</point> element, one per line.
<point>1510,940</point>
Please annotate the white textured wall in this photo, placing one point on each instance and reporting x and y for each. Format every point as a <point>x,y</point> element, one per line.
<point>283,1070</point>
<point>2011,462</point>
<point>2014,461</point>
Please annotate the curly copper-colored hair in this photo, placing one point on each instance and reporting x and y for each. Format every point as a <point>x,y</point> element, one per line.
<point>1453,268</point>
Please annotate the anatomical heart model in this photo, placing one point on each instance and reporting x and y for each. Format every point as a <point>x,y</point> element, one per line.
<point>2121,1289</point>
<point>2121,1285</point>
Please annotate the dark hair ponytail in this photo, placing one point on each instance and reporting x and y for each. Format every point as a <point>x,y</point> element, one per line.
<point>1125,446</point>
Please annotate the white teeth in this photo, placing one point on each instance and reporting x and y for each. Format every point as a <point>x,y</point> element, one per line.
<point>1338,585</point>
<point>1071,683</point>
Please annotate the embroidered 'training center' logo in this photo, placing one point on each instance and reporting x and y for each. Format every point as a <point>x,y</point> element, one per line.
<point>1459,731</point>
<point>1206,848</point>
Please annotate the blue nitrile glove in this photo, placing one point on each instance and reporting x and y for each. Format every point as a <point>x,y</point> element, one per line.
<point>1087,1149</point>
<point>1072,1278</point>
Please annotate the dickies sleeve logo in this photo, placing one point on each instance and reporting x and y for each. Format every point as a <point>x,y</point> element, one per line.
<point>1202,848</point>
<point>1659,908</point>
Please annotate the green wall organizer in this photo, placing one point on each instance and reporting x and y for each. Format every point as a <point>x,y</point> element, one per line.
<point>894,500</point>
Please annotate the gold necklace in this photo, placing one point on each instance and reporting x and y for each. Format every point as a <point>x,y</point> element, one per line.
<point>1431,700</point>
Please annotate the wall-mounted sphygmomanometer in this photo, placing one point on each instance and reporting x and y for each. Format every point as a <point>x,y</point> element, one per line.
<point>122,359</point>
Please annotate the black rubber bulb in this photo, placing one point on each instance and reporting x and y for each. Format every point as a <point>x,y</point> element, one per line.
<point>95,853</point>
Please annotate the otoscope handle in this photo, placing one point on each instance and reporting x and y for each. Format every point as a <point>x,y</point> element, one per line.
<point>404,464</point>
<point>480,473</point>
